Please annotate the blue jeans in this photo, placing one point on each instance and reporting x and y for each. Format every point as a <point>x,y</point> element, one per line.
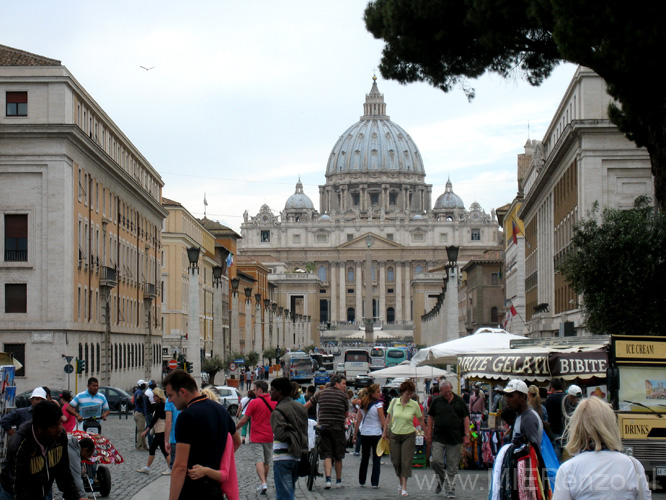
<point>285,476</point>
<point>5,496</point>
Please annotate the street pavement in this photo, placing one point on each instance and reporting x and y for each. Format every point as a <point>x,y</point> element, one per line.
<point>129,484</point>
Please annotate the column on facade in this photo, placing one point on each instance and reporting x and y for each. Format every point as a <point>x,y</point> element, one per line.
<point>381,269</point>
<point>343,199</point>
<point>193,329</point>
<point>451,305</point>
<point>235,323</point>
<point>218,332</point>
<point>407,310</point>
<point>257,347</point>
<point>358,275</point>
<point>343,289</point>
<point>398,291</point>
<point>248,326</point>
<point>333,291</point>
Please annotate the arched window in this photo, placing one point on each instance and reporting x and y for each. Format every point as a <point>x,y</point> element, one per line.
<point>351,314</point>
<point>390,315</point>
<point>390,275</point>
<point>321,272</point>
<point>350,275</point>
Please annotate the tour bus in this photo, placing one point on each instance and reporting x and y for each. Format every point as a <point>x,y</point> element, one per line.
<point>377,358</point>
<point>328,362</point>
<point>357,362</point>
<point>298,366</point>
<point>395,356</point>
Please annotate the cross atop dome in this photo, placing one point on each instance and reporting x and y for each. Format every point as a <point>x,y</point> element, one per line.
<point>374,107</point>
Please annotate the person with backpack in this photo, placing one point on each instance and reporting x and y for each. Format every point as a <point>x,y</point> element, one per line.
<point>259,410</point>
<point>369,429</point>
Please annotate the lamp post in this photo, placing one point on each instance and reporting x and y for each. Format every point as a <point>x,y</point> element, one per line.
<point>247,344</point>
<point>235,326</point>
<point>272,342</point>
<point>267,332</point>
<point>218,332</point>
<point>280,328</point>
<point>193,333</point>
<point>451,297</point>
<point>369,313</point>
<point>257,324</point>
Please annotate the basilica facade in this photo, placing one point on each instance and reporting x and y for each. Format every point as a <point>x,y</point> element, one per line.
<point>376,221</point>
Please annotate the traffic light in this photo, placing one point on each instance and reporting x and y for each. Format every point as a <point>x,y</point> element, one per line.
<point>188,367</point>
<point>82,365</point>
<point>77,365</point>
<point>181,365</point>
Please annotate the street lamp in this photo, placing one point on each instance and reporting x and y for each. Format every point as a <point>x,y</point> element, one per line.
<point>247,344</point>
<point>193,333</point>
<point>257,325</point>
<point>451,297</point>
<point>217,276</point>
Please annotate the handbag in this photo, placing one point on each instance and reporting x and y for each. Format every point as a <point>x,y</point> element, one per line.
<point>638,478</point>
<point>159,426</point>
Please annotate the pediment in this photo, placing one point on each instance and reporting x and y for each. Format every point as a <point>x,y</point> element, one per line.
<point>378,243</point>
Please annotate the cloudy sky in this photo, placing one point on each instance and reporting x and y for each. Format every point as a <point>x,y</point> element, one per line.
<point>245,97</point>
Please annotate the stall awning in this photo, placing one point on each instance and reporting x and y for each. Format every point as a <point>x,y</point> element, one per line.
<point>537,364</point>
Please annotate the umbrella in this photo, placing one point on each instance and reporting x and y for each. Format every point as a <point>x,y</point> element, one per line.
<point>405,369</point>
<point>483,340</point>
<point>105,452</point>
<point>8,359</point>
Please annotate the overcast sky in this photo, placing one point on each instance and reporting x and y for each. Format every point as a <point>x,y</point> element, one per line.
<point>244,97</point>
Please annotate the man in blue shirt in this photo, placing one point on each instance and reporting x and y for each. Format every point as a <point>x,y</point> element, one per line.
<point>140,416</point>
<point>89,403</point>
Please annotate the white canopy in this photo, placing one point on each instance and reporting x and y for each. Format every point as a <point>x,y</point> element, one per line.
<point>406,369</point>
<point>483,340</point>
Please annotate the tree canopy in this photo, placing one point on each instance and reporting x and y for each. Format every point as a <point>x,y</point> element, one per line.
<point>619,265</point>
<point>447,42</point>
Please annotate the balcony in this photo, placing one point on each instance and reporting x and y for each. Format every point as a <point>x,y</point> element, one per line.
<point>108,277</point>
<point>149,291</point>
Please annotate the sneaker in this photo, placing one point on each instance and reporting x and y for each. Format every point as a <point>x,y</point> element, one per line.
<point>375,487</point>
<point>338,484</point>
<point>438,490</point>
<point>357,454</point>
<point>143,470</point>
<point>327,485</point>
<point>264,489</point>
<point>404,493</point>
<point>167,472</point>
<point>451,494</point>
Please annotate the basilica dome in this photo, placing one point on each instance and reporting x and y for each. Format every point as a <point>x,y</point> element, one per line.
<point>299,200</point>
<point>449,200</point>
<point>375,143</point>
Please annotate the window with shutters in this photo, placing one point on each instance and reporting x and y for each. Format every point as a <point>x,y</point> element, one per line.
<point>16,298</point>
<point>17,103</point>
<point>16,237</point>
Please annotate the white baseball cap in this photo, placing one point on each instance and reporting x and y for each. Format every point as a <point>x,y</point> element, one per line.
<point>515,385</point>
<point>574,390</point>
<point>38,393</point>
<point>140,382</point>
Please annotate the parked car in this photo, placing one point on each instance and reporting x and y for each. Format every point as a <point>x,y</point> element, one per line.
<point>340,368</point>
<point>119,400</point>
<point>322,377</point>
<point>229,397</point>
<point>395,383</point>
<point>363,381</point>
<point>22,400</point>
<point>336,350</point>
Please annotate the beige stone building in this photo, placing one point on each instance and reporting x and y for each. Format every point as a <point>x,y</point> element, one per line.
<point>375,187</point>
<point>81,220</point>
<point>582,159</point>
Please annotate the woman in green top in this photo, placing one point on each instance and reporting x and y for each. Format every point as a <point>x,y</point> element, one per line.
<point>400,420</point>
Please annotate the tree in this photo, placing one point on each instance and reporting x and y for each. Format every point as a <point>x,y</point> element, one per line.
<point>270,354</point>
<point>447,42</point>
<point>252,359</point>
<point>619,265</point>
<point>212,366</point>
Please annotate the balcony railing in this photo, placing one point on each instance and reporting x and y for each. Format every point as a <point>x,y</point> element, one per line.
<point>16,255</point>
<point>149,291</point>
<point>108,277</point>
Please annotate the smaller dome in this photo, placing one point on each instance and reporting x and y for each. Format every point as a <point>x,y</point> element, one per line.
<point>324,218</point>
<point>299,200</point>
<point>418,217</point>
<point>449,200</point>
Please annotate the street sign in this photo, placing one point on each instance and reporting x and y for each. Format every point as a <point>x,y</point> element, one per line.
<point>69,359</point>
<point>239,361</point>
<point>69,368</point>
<point>232,367</point>
<point>173,364</point>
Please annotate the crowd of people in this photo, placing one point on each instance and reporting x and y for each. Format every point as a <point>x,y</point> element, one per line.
<point>198,438</point>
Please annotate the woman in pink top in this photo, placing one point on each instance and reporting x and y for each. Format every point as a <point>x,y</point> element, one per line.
<point>68,420</point>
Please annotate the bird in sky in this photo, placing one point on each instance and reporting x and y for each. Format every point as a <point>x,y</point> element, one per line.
<point>147,69</point>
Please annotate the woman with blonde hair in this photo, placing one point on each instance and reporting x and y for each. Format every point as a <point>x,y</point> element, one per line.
<point>400,421</point>
<point>369,428</point>
<point>158,422</point>
<point>598,470</point>
<point>210,394</point>
<point>534,401</point>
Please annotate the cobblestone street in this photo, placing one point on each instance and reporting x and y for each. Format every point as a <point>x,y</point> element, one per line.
<point>129,484</point>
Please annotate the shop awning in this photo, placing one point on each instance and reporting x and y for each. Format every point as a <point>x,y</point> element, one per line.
<point>537,363</point>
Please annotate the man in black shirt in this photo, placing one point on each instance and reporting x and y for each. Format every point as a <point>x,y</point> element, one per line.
<point>448,428</point>
<point>553,406</point>
<point>201,436</point>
